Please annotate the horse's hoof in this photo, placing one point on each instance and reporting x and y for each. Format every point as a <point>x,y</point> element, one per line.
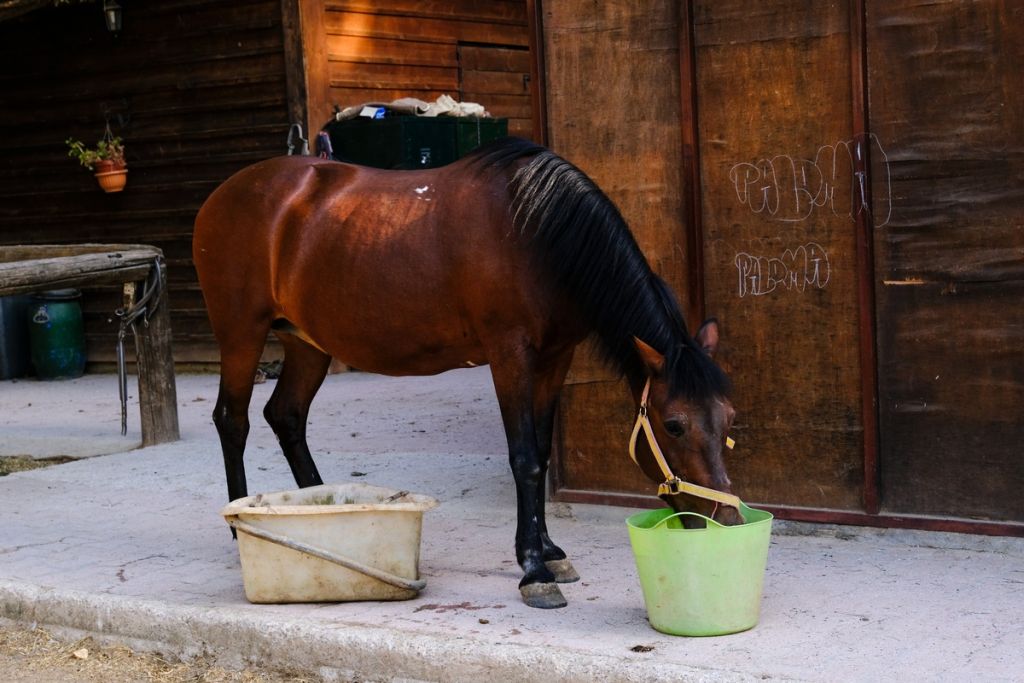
<point>563,570</point>
<point>543,595</point>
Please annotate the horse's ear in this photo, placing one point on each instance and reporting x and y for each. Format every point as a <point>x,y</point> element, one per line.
<point>707,337</point>
<point>654,361</point>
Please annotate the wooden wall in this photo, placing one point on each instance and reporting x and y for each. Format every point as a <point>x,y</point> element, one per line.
<point>377,51</point>
<point>947,101</point>
<point>775,123</point>
<point>613,109</point>
<point>196,89</point>
<point>858,233</point>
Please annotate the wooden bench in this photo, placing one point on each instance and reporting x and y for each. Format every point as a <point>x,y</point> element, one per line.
<point>25,269</point>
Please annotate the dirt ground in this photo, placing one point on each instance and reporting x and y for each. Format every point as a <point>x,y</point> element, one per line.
<point>35,656</point>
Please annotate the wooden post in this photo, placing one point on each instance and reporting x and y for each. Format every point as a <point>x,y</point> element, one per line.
<point>295,63</point>
<point>316,61</point>
<point>158,395</point>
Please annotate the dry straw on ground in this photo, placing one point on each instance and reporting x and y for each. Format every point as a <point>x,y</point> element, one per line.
<point>35,656</point>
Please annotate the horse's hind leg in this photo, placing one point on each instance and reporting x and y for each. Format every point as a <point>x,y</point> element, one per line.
<point>238,362</point>
<point>304,370</point>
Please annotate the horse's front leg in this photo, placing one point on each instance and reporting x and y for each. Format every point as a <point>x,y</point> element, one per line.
<point>547,389</point>
<point>514,387</point>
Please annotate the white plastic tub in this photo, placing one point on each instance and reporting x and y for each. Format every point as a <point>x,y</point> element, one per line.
<point>330,543</point>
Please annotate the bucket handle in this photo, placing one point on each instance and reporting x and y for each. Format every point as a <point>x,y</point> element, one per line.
<point>348,563</point>
<point>694,514</point>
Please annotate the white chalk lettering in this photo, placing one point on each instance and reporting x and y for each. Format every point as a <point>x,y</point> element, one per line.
<point>795,270</point>
<point>790,189</point>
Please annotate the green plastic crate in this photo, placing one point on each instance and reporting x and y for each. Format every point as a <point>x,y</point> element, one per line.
<point>471,133</point>
<point>410,142</point>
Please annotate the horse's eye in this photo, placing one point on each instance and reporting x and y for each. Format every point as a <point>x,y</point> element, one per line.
<point>675,427</point>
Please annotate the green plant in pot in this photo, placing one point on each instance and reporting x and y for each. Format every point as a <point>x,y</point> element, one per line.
<point>106,160</point>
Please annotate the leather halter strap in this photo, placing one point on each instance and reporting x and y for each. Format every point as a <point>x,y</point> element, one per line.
<point>672,484</point>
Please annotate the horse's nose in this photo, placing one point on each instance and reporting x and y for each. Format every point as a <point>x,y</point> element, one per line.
<point>728,515</point>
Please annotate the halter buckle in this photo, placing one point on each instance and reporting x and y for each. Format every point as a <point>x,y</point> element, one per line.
<point>670,487</point>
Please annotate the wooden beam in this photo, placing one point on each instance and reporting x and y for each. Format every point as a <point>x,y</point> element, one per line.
<point>313,22</point>
<point>32,274</point>
<point>864,225</point>
<point>815,515</point>
<point>294,63</point>
<point>538,85</point>
<point>692,218</point>
<point>158,396</point>
<point>33,268</point>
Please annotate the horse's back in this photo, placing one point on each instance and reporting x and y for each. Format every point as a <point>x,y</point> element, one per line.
<point>408,261</point>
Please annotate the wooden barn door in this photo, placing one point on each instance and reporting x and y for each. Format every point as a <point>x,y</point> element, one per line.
<point>947,106</point>
<point>756,104</point>
<point>613,109</point>
<point>841,185</point>
<point>781,205</point>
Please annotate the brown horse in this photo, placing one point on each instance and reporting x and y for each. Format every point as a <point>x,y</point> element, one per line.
<point>509,257</point>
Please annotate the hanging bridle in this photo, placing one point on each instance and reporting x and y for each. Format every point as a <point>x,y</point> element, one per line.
<point>673,484</point>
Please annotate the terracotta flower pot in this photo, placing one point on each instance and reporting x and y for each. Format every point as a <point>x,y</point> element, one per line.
<point>111,176</point>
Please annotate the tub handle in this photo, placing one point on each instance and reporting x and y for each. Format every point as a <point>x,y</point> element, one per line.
<point>696,514</point>
<point>387,577</point>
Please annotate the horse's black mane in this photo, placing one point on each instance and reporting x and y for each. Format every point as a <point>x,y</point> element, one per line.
<point>584,243</point>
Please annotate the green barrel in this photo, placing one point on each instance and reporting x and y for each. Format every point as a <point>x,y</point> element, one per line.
<point>57,335</point>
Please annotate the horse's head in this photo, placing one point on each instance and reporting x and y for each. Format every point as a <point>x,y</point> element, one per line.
<point>691,428</point>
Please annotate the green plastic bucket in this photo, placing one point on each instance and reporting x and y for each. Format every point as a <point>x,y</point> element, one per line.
<point>701,582</point>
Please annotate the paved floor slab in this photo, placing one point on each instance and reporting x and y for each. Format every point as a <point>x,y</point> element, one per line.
<point>132,546</point>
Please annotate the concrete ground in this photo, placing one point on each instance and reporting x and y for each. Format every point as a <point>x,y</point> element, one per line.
<point>131,547</point>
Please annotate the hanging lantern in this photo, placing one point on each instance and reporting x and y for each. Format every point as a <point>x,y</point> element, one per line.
<point>112,15</point>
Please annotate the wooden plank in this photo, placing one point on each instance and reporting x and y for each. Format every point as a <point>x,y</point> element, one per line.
<point>346,97</point>
<point>538,73</point>
<point>521,128</point>
<point>151,22</point>
<point>628,151</point>
<point>774,109</point>
<point>294,62</point>
<point>24,276</point>
<point>865,263</point>
<point>27,252</point>
<point>487,58</point>
<point>318,78</point>
<point>393,77</point>
<point>815,515</point>
<point>502,106</point>
<point>948,105</point>
<point>496,82</point>
<point>249,69</point>
<point>79,280</point>
<point>951,397</point>
<point>450,10</point>
<point>365,50</point>
<point>690,165</point>
<point>423,30</point>
<point>603,463</point>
